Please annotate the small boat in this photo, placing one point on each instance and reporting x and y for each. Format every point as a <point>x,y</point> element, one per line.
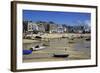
<point>60,55</point>
<point>63,36</point>
<point>27,52</point>
<point>88,39</point>
<point>38,37</point>
<point>37,48</point>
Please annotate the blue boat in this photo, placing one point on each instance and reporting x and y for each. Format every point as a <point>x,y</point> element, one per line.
<point>29,51</point>
<point>26,52</point>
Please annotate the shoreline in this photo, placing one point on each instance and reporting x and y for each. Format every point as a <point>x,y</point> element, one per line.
<point>59,35</point>
<point>54,36</point>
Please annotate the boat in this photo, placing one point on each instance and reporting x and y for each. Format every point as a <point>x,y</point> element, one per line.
<point>60,55</point>
<point>27,52</point>
<point>38,37</point>
<point>37,48</point>
<point>88,39</point>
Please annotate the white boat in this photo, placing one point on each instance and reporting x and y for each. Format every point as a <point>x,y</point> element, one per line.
<point>37,48</point>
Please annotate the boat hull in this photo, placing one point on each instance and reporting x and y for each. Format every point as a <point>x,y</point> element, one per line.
<point>61,55</point>
<point>26,52</point>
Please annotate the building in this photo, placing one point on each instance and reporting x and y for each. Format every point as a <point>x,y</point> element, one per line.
<point>25,28</point>
<point>41,28</point>
<point>32,28</point>
<point>60,29</point>
<point>53,28</point>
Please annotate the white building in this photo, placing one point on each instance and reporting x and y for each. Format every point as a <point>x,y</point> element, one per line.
<point>41,27</point>
<point>60,29</point>
<point>32,26</point>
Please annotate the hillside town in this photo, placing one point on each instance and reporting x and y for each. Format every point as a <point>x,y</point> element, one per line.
<point>41,27</point>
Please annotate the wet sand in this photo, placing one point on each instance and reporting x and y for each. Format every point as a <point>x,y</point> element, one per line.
<point>77,49</point>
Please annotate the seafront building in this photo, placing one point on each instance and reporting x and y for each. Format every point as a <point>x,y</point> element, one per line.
<point>30,27</point>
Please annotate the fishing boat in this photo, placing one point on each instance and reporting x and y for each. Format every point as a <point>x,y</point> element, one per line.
<point>60,55</point>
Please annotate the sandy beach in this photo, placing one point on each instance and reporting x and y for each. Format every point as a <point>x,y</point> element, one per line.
<point>77,49</point>
<point>47,36</point>
<point>59,35</point>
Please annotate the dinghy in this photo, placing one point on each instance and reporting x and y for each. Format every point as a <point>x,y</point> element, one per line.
<point>27,52</point>
<point>60,55</point>
<point>37,48</point>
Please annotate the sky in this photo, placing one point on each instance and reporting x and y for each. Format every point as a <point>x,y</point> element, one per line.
<point>69,18</point>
